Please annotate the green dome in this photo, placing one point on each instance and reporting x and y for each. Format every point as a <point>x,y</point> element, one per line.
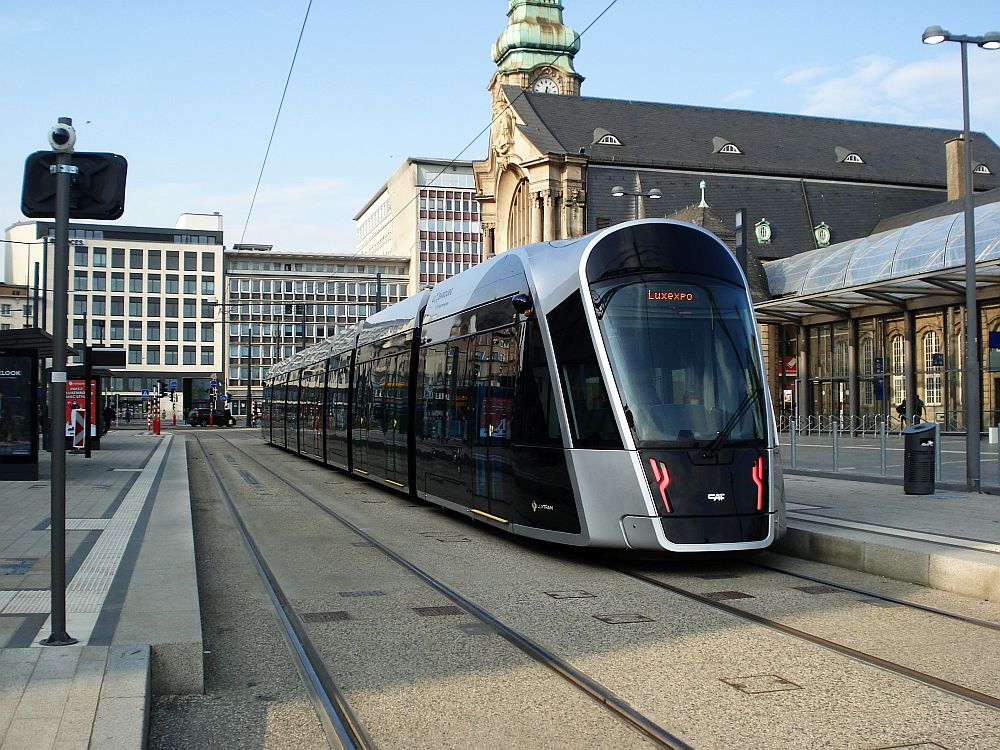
<point>535,34</point>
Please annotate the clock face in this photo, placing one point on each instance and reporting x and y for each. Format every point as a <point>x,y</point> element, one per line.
<point>545,85</point>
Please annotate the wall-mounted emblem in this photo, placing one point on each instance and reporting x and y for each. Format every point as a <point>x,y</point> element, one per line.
<point>821,233</point>
<point>762,230</point>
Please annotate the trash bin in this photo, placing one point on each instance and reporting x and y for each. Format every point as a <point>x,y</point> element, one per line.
<point>918,459</point>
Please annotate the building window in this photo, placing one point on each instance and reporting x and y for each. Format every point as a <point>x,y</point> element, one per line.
<point>135,355</point>
<point>152,355</point>
<point>190,284</point>
<point>190,332</point>
<point>117,330</point>
<point>135,307</point>
<point>79,306</point>
<point>853,159</point>
<point>99,306</point>
<point>117,282</point>
<point>118,257</point>
<point>80,256</point>
<point>207,332</point>
<point>207,355</point>
<point>173,262</point>
<point>207,286</point>
<point>207,309</point>
<point>190,308</point>
<point>97,330</point>
<point>170,308</point>
<point>118,306</point>
<point>100,257</point>
<point>153,331</point>
<point>898,368</point>
<point>981,169</point>
<point>609,140</point>
<point>153,283</point>
<point>154,260</point>
<point>189,355</point>
<point>933,388</point>
<point>172,286</point>
<point>80,281</point>
<point>170,332</point>
<point>190,261</point>
<point>208,262</point>
<point>153,307</point>
<point>170,355</point>
<point>135,283</point>
<point>135,330</point>
<point>135,258</point>
<point>729,148</point>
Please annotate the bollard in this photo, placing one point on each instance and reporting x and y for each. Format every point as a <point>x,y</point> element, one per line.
<point>156,425</point>
<point>835,433</point>
<point>882,435</point>
<point>791,434</point>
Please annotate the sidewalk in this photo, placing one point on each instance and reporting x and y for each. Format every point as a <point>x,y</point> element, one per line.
<point>131,597</point>
<point>860,519</point>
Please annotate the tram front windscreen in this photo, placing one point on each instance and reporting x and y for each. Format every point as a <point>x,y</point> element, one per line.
<point>685,358</point>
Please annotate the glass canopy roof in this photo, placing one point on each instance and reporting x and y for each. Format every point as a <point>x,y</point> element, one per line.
<point>887,268</point>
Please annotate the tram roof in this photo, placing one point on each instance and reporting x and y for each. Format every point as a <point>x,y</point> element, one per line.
<point>893,269</point>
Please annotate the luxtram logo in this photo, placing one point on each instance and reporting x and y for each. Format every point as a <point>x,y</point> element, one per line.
<point>536,506</point>
<point>10,373</point>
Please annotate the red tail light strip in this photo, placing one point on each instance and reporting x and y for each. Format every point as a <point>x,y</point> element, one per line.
<point>758,478</point>
<point>662,480</point>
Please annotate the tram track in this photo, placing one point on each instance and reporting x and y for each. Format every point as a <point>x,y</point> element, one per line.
<point>342,720</point>
<point>968,619</point>
<point>916,675</point>
<point>341,726</point>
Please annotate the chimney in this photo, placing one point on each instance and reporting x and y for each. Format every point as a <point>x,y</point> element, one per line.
<point>954,151</point>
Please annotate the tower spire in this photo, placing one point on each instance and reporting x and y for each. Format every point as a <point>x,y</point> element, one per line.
<point>537,45</point>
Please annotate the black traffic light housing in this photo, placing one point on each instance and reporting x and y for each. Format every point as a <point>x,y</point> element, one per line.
<point>97,190</point>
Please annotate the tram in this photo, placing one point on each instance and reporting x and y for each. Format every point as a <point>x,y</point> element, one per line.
<point>605,391</point>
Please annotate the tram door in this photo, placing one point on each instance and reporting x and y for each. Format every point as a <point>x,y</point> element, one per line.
<point>361,417</point>
<point>494,367</point>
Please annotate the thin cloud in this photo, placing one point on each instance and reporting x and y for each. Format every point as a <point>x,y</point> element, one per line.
<point>801,76</point>
<point>927,92</point>
<point>738,95</point>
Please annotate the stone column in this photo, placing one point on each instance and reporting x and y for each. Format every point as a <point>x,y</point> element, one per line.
<point>565,216</point>
<point>853,382</point>
<point>549,227</point>
<point>536,217</point>
<point>487,241</point>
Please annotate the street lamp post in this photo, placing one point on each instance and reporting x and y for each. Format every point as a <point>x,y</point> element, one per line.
<point>653,194</point>
<point>970,374</point>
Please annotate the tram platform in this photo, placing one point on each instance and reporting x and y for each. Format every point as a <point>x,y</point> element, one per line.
<point>859,517</point>
<point>131,597</point>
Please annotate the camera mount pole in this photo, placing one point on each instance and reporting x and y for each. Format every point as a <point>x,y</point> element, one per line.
<point>63,170</point>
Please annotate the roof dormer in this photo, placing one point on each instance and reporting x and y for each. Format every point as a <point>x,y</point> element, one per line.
<point>846,156</point>
<point>722,145</point>
<point>605,138</point>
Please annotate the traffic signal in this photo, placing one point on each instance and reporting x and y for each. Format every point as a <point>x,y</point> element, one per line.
<point>97,190</point>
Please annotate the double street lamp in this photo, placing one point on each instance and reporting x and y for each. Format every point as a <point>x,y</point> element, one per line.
<point>970,373</point>
<point>653,194</point>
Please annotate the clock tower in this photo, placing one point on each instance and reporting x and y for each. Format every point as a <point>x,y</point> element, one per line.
<point>536,50</point>
<point>525,194</point>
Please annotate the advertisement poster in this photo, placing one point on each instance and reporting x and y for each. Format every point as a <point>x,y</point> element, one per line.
<point>17,420</point>
<point>76,398</point>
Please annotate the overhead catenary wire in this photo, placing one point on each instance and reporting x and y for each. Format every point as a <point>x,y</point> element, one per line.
<point>443,169</point>
<point>277,116</point>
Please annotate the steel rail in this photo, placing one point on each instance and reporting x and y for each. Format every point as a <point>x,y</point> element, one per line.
<point>589,686</point>
<point>969,619</point>
<point>949,687</point>
<point>342,728</point>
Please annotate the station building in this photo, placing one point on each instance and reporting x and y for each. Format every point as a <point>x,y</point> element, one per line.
<point>829,204</point>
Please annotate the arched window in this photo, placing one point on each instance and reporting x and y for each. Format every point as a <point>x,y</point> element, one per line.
<point>867,368</point>
<point>982,169</point>
<point>519,224</point>
<point>729,148</point>
<point>610,140</point>
<point>853,159</point>
<point>932,374</point>
<point>898,368</point>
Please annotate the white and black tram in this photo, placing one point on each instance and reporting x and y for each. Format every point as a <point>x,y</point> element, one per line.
<point>605,391</point>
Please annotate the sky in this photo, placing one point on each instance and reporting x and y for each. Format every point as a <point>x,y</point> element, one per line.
<point>188,91</point>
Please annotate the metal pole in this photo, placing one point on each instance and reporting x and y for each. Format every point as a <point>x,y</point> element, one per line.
<point>792,429</point>
<point>937,451</point>
<point>34,301</point>
<point>835,432</point>
<point>249,368</point>
<point>58,635</point>
<point>45,281</point>
<point>971,369</point>
<point>378,292</point>
<point>882,447</point>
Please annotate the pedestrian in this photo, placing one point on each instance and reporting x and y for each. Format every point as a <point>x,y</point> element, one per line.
<point>901,411</point>
<point>109,415</point>
<point>128,414</point>
<point>918,413</point>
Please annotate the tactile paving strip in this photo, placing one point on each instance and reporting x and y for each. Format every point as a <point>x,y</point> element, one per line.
<point>89,587</point>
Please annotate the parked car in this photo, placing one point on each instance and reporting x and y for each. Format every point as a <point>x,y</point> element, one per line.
<point>199,417</point>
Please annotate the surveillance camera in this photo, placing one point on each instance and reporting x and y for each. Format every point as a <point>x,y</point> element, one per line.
<point>62,137</point>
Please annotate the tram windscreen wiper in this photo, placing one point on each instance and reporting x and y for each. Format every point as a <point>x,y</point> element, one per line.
<point>713,448</point>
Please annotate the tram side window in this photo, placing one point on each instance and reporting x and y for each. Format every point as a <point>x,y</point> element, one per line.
<point>536,421</point>
<point>444,392</point>
<point>590,417</point>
